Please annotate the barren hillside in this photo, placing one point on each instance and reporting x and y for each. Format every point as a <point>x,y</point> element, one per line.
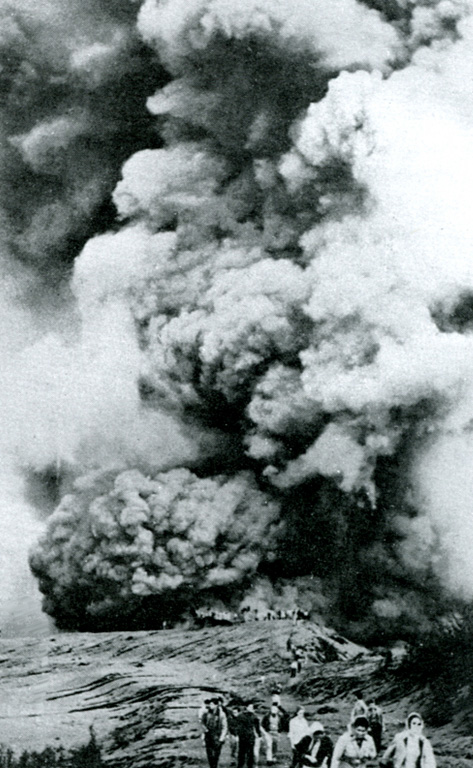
<point>141,690</point>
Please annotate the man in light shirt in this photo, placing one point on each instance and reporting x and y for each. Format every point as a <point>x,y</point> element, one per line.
<point>355,747</point>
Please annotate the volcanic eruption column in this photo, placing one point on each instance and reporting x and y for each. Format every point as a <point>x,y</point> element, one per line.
<point>265,373</point>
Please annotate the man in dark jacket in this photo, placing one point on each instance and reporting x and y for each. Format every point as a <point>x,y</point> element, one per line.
<point>248,728</point>
<point>232,711</point>
<point>315,749</point>
<point>214,723</point>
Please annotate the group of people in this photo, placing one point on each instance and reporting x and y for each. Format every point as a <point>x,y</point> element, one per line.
<point>358,746</point>
<point>211,616</point>
<point>246,731</point>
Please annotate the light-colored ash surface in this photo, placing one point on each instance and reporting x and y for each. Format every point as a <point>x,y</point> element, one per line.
<point>142,690</point>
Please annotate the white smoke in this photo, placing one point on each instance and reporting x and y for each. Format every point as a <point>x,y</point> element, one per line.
<point>276,305</point>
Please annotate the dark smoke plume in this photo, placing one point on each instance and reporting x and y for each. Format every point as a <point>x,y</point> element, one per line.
<point>256,386</point>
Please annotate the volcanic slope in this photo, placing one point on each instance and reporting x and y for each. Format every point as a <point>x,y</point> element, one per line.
<point>141,691</point>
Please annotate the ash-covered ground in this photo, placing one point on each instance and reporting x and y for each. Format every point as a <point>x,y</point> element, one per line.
<point>141,691</point>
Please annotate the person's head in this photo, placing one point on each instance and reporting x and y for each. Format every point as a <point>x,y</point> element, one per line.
<point>250,706</point>
<point>300,712</point>
<point>414,723</point>
<point>360,727</point>
<point>316,729</point>
<point>212,705</point>
<point>275,698</point>
<point>274,709</point>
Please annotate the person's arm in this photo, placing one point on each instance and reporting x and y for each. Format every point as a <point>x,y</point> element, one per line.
<point>388,754</point>
<point>325,752</point>
<point>291,734</point>
<point>301,749</point>
<point>429,756</point>
<point>338,752</point>
<point>223,725</point>
<point>257,726</point>
<point>371,747</point>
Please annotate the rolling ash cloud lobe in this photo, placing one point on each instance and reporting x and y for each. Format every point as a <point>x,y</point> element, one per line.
<point>267,359</point>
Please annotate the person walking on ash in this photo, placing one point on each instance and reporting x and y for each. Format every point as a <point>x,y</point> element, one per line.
<point>355,747</point>
<point>410,748</point>
<point>315,749</point>
<point>272,725</point>
<point>375,720</point>
<point>360,708</point>
<point>232,713</point>
<point>248,729</point>
<point>214,723</point>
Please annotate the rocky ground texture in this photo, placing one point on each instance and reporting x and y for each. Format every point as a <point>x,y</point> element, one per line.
<point>141,691</point>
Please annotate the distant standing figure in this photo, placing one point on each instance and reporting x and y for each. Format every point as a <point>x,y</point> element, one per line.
<point>360,708</point>
<point>214,723</point>
<point>355,747</point>
<point>299,656</point>
<point>410,748</point>
<point>375,720</point>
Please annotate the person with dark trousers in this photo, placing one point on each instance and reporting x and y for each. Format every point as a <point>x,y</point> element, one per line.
<point>232,713</point>
<point>214,723</point>
<point>248,728</point>
<point>314,749</point>
<point>375,719</point>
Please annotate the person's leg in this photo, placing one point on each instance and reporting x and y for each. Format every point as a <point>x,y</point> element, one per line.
<point>217,750</point>
<point>268,743</point>
<point>242,751</point>
<point>257,749</point>
<point>251,756</point>
<point>214,753</point>
<point>233,746</point>
<point>378,736</point>
<point>208,749</point>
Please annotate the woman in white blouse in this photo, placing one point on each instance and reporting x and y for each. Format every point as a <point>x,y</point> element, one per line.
<point>410,748</point>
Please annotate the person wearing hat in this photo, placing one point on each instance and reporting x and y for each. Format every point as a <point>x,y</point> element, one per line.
<point>355,747</point>
<point>214,724</point>
<point>410,748</point>
<point>314,749</point>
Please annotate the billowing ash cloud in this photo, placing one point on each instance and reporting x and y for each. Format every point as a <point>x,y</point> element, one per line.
<point>122,539</point>
<point>258,381</point>
<point>73,79</point>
